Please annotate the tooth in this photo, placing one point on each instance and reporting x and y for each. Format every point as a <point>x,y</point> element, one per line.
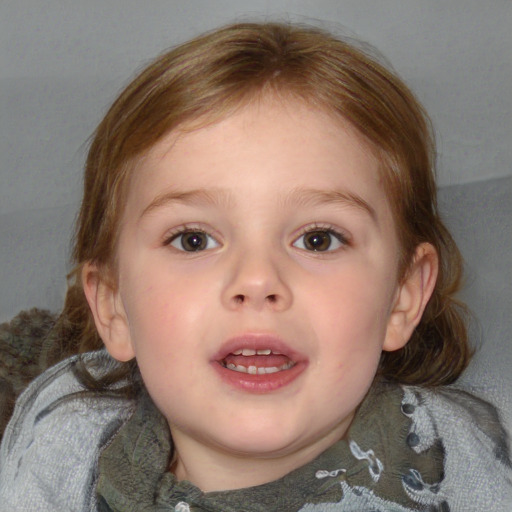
<point>248,352</point>
<point>254,370</point>
<point>264,352</point>
<point>271,369</point>
<point>238,352</point>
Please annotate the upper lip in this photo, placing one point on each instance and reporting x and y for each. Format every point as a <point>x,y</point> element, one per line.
<point>257,341</point>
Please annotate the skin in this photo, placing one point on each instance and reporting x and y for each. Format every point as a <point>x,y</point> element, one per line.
<point>266,178</point>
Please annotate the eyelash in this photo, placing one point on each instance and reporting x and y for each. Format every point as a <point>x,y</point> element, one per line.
<point>181,232</point>
<point>339,236</point>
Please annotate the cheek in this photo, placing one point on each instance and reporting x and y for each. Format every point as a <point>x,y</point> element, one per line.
<point>169,316</point>
<point>160,317</point>
<point>166,329</point>
<point>355,301</point>
<point>157,292</point>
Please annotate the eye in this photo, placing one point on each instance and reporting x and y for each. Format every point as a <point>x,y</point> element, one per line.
<point>320,240</point>
<point>192,241</point>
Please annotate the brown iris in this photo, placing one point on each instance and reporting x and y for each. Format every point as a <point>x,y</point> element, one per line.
<point>317,241</point>
<point>194,241</point>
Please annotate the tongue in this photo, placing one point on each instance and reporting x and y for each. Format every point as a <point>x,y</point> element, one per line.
<point>260,361</point>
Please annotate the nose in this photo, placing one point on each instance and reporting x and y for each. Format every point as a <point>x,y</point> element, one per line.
<point>257,281</point>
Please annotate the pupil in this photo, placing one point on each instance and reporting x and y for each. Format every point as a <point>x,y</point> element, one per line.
<point>194,242</point>
<point>318,241</point>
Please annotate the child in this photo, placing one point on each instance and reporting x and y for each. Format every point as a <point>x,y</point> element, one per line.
<point>260,253</point>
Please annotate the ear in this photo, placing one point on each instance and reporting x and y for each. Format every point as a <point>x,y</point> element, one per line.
<point>412,297</point>
<point>109,314</point>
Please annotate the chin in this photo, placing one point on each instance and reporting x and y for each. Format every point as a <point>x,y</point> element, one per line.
<point>268,442</point>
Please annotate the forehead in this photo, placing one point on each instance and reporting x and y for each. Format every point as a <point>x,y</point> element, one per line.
<point>286,139</point>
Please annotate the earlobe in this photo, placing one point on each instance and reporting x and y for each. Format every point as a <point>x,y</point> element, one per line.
<point>412,297</point>
<point>108,312</point>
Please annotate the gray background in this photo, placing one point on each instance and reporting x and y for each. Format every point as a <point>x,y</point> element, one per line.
<point>63,62</point>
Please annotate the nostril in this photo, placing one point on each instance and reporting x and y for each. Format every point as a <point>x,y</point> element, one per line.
<point>240,299</point>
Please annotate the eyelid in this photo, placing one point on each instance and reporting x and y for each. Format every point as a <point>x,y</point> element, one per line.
<point>339,234</point>
<point>190,228</point>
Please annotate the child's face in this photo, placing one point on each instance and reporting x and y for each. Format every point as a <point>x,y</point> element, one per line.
<point>217,260</point>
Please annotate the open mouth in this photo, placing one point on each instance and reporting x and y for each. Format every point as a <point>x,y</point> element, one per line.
<point>258,363</point>
<point>262,361</point>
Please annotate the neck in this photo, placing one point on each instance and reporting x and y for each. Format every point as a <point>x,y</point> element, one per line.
<point>212,469</point>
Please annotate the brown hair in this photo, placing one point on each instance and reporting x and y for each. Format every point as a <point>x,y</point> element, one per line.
<point>214,74</point>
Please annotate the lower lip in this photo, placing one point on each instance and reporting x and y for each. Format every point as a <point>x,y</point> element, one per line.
<point>260,384</point>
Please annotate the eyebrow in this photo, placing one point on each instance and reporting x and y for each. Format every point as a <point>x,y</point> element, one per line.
<point>297,197</point>
<point>317,197</point>
<point>213,197</point>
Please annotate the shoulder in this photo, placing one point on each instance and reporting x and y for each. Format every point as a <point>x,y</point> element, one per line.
<point>477,464</point>
<point>50,447</point>
<point>422,449</point>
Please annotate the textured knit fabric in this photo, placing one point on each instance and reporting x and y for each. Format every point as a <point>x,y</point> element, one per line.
<point>407,449</point>
<point>24,354</point>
